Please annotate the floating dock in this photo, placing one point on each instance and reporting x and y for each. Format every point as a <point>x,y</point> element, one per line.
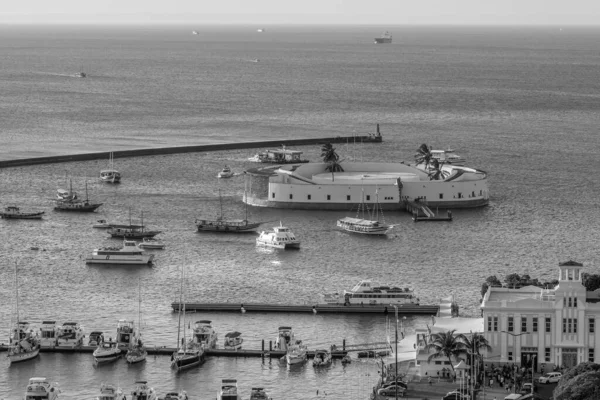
<point>421,212</point>
<point>403,309</point>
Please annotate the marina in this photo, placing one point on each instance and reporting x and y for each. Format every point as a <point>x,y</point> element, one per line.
<point>408,309</point>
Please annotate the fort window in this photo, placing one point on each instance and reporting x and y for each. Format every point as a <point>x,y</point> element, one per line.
<point>495,324</point>
<point>510,357</point>
<point>273,195</point>
<point>328,197</point>
<point>309,197</point>
<point>511,324</point>
<point>535,324</point>
<point>523,324</point>
<point>591,355</point>
<point>592,323</point>
<point>548,324</point>
<point>368,197</point>
<point>460,196</point>
<point>291,196</point>
<point>441,196</point>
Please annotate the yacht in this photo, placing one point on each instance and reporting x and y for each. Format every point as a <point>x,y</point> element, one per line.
<point>143,392</point>
<point>48,335</point>
<point>296,353</point>
<point>447,157</point>
<point>258,393</point>
<point>229,390</point>
<point>369,292</point>
<point>23,344</point>
<point>110,174</point>
<point>225,173</point>
<point>285,338</point>
<point>13,212</point>
<point>151,243</point>
<point>106,351</point>
<point>233,341</point>
<point>129,254</point>
<point>41,389</point>
<point>280,237</point>
<point>70,334</point>
<point>110,392</point>
<point>125,333</point>
<point>204,334</point>
<point>323,358</point>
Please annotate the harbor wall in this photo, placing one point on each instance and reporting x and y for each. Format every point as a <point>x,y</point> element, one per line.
<point>185,149</point>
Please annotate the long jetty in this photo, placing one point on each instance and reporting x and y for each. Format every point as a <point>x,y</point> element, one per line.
<point>376,138</point>
<point>403,309</point>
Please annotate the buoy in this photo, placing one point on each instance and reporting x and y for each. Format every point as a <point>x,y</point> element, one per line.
<point>314,310</point>
<point>242,309</point>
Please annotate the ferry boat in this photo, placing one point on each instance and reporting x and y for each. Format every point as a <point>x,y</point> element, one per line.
<point>129,254</point>
<point>280,237</point>
<point>110,392</point>
<point>384,39</point>
<point>258,393</point>
<point>143,392</point>
<point>24,345</point>
<point>369,292</point>
<point>296,353</point>
<point>225,173</point>
<point>204,334</point>
<point>110,175</point>
<point>48,337</point>
<point>280,156</point>
<point>70,334</point>
<point>106,351</point>
<point>285,338</point>
<point>229,390</point>
<point>13,212</point>
<point>233,341</point>
<point>151,243</point>
<point>40,389</point>
<point>323,358</point>
<point>447,157</point>
<point>125,332</point>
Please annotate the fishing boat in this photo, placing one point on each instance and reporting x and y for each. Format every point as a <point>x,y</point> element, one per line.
<point>221,224</point>
<point>280,237</point>
<point>95,338</point>
<point>72,203</point>
<point>110,175</point>
<point>258,393</point>
<point>285,338</point>
<point>132,231</point>
<point>366,222</point>
<point>297,353</point>
<point>137,351</point>
<point>107,351</point>
<point>204,335</point>
<point>48,334</point>
<point>225,173</point>
<point>233,341</point>
<point>369,292</point>
<point>386,38</point>
<point>125,333</point>
<point>13,212</point>
<point>143,392</point>
<point>128,254</point>
<point>323,358</point>
<point>110,392</point>
<point>70,335</point>
<point>229,390</point>
<point>40,389</point>
<point>151,243</point>
<point>101,224</point>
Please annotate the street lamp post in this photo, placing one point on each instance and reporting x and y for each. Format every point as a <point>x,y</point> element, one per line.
<point>396,351</point>
<point>532,382</point>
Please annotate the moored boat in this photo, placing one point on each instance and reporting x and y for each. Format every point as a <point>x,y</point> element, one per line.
<point>366,222</point>
<point>23,345</point>
<point>204,335</point>
<point>110,175</point>
<point>281,156</point>
<point>151,243</point>
<point>233,341</point>
<point>132,231</point>
<point>258,393</point>
<point>106,351</point>
<point>182,395</point>
<point>369,292</point>
<point>225,173</point>
<point>70,202</point>
<point>110,392</point>
<point>13,212</point>
<point>297,353</point>
<point>285,338</point>
<point>137,351</point>
<point>143,392</point>
<point>125,333</point>
<point>222,224</point>
<point>280,237</point>
<point>70,334</point>
<point>41,389</point>
<point>128,254</point>
<point>323,358</point>
<point>48,332</point>
<point>95,338</point>
<point>447,157</point>
<point>229,390</point>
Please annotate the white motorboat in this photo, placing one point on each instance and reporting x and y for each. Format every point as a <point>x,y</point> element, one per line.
<point>70,334</point>
<point>125,333</point>
<point>129,254</point>
<point>285,338</point>
<point>233,341</point>
<point>229,390</point>
<point>143,392</point>
<point>297,353</point>
<point>176,396</point>
<point>447,157</point>
<point>258,393</point>
<point>254,158</point>
<point>110,175</point>
<point>106,351</point>
<point>101,224</point>
<point>204,334</point>
<point>23,345</point>
<point>280,237</point>
<point>110,392</point>
<point>323,358</point>
<point>40,389</point>
<point>369,292</point>
<point>95,338</point>
<point>225,173</point>
<point>151,243</point>
<point>48,333</point>
<point>12,212</point>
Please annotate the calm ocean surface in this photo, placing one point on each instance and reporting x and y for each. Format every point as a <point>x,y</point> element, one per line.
<point>520,103</point>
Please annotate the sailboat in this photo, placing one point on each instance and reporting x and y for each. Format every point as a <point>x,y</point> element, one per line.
<point>23,344</point>
<point>221,224</point>
<point>188,354</point>
<point>110,175</point>
<point>131,231</point>
<point>68,201</point>
<point>366,222</point>
<point>137,352</point>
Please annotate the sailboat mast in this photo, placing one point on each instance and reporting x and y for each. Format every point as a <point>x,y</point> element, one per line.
<point>180,305</point>
<point>139,308</point>
<point>17,294</point>
<point>86,193</point>
<point>221,203</point>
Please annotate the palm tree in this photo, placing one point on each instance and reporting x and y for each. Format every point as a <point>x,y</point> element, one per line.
<point>445,344</point>
<point>423,155</point>
<point>332,158</point>
<point>474,343</point>
<point>437,173</point>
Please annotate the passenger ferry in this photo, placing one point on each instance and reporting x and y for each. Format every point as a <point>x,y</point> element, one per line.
<point>129,254</point>
<point>280,237</point>
<point>48,334</point>
<point>368,292</point>
<point>205,335</point>
<point>41,389</point>
<point>364,226</point>
<point>70,334</point>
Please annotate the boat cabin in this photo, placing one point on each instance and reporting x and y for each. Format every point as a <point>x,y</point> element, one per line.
<point>285,337</point>
<point>124,332</point>
<point>258,394</point>
<point>69,330</point>
<point>281,155</point>
<point>40,389</point>
<point>48,330</point>
<point>95,338</point>
<point>229,389</point>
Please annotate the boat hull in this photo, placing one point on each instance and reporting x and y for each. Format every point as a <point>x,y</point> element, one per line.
<point>76,207</point>
<point>24,356</point>
<point>227,228</point>
<point>187,362</point>
<point>134,235</point>
<point>383,40</point>
<point>22,215</point>
<point>143,260</point>
<point>293,360</point>
<point>151,246</point>
<point>136,357</point>
<point>105,358</point>
<point>276,245</point>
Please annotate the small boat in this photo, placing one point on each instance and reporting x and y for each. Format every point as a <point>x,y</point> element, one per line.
<point>110,175</point>
<point>281,156</point>
<point>101,224</point>
<point>143,392</point>
<point>12,212</point>
<point>106,351</point>
<point>254,158</point>
<point>296,353</point>
<point>367,222</point>
<point>369,292</point>
<point>347,359</point>
<point>229,390</point>
<point>280,237</point>
<point>194,32</point>
<point>258,393</point>
<point>131,231</point>
<point>221,224</point>
<point>260,30</point>
<point>70,334</point>
<point>72,203</point>
<point>151,243</point>
<point>110,392</point>
<point>285,337</point>
<point>48,334</point>
<point>23,345</point>
<point>129,254</point>
<point>176,396</point>
<point>233,341</point>
<point>447,157</point>
<point>204,335</point>
<point>40,389</point>
<point>225,173</point>
<point>95,338</point>
<point>386,38</point>
<point>125,333</point>
<point>323,358</point>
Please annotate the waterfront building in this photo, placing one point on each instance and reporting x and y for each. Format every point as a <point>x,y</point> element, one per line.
<point>534,327</point>
<point>390,185</point>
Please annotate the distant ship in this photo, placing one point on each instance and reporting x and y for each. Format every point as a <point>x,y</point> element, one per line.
<point>195,32</point>
<point>260,30</point>
<point>385,38</point>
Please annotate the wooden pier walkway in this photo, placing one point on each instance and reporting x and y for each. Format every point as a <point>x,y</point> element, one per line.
<point>403,309</point>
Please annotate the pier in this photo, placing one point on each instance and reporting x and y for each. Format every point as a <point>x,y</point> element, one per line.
<point>403,309</point>
<point>421,212</point>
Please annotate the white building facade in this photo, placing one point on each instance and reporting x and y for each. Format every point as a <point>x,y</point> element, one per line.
<point>535,327</point>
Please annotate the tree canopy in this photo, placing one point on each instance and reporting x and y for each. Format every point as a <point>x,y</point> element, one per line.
<point>581,382</point>
<point>590,281</point>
